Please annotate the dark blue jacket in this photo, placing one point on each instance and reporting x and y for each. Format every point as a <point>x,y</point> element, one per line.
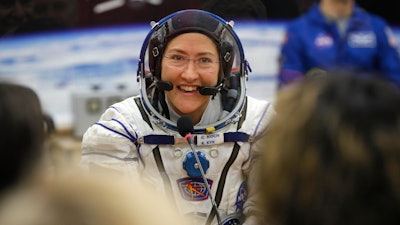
<point>312,43</point>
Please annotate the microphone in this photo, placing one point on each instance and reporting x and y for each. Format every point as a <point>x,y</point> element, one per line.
<point>206,90</point>
<point>185,126</point>
<point>185,129</point>
<point>164,85</point>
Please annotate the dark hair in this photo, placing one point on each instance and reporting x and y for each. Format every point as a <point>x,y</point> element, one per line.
<point>22,131</point>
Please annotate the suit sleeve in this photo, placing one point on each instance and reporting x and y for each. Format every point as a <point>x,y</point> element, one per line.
<point>110,146</point>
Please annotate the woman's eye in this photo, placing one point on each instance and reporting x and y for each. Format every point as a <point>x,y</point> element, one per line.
<point>205,60</point>
<point>178,57</point>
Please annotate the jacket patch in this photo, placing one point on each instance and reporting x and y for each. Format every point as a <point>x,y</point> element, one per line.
<point>323,40</point>
<point>362,39</point>
<point>391,38</point>
<point>194,189</point>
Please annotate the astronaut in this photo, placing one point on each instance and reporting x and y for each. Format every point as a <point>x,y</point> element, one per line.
<point>191,64</point>
<point>338,35</point>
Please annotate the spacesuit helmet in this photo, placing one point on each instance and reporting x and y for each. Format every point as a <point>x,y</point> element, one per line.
<point>233,71</point>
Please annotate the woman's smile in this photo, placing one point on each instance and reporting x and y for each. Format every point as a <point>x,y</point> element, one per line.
<point>187,88</point>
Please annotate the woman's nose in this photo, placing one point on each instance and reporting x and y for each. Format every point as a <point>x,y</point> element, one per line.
<point>190,72</point>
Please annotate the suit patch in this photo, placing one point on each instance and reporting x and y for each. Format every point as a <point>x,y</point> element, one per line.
<point>241,196</point>
<point>194,188</point>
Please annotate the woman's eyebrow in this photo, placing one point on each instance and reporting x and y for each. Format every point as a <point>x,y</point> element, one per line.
<point>205,53</point>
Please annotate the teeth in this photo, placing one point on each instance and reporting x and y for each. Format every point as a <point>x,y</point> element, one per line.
<point>188,88</point>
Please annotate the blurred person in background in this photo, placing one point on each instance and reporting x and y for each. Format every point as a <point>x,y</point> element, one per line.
<point>332,154</point>
<point>335,34</point>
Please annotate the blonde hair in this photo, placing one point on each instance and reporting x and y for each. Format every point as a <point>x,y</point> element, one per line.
<point>77,199</point>
<point>332,154</point>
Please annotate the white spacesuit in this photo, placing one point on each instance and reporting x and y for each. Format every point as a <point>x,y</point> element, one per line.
<point>139,136</point>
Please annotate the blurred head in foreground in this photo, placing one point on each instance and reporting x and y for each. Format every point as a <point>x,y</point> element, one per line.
<point>76,199</point>
<point>22,132</point>
<point>332,155</point>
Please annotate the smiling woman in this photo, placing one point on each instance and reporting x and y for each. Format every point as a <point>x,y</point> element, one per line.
<point>191,65</point>
<point>187,78</point>
<point>215,42</point>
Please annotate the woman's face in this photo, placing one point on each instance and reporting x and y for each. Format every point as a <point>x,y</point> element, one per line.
<point>190,61</point>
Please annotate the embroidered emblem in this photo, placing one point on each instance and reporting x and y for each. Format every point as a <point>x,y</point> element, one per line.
<point>391,38</point>
<point>241,196</point>
<point>362,39</point>
<point>194,189</point>
<point>323,41</point>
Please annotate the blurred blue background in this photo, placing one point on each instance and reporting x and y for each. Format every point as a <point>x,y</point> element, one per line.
<point>97,61</point>
<point>95,54</point>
